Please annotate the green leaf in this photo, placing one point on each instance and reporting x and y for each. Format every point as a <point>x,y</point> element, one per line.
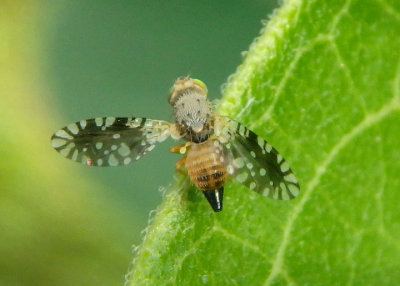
<point>321,84</point>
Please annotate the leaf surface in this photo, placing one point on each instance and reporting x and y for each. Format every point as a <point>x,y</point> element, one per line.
<point>321,84</point>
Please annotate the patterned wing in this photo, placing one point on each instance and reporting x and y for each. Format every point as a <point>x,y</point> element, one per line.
<point>253,162</point>
<point>109,141</point>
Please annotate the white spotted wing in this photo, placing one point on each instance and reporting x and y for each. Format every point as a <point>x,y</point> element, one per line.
<point>109,141</point>
<point>251,161</point>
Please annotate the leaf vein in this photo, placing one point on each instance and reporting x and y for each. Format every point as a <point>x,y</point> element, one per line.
<point>288,72</point>
<point>241,240</point>
<point>343,11</point>
<point>348,74</point>
<point>273,31</point>
<point>350,256</point>
<point>380,193</point>
<point>389,9</point>
<point>396,81</point>
<point>368,121</point>
<point>180,259</point>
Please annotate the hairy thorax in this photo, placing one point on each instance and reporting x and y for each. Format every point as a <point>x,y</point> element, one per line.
<point>193,116</point>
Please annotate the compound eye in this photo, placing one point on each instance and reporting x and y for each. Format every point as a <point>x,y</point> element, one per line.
<point>201,84</point>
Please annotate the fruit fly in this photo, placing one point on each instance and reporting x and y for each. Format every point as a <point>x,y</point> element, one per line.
<point>216,147</point>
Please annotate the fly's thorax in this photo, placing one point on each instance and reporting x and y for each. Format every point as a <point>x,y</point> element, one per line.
<point>193,115</point>
<point>192,111</point>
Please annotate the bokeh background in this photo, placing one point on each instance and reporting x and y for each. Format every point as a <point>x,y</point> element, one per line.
<point>62,223</point>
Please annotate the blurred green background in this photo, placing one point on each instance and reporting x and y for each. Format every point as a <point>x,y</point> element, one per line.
<point>63,223</point>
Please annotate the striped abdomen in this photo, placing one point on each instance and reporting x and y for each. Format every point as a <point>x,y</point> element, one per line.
<point>204,165</point>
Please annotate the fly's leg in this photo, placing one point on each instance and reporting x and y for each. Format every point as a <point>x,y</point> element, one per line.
<point>176,149</point>
<point>179,164</point>
<point>180,149</point>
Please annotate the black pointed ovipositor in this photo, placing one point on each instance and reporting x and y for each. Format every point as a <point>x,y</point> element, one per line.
<point>215,198</point>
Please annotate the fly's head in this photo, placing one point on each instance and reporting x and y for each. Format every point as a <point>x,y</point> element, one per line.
<point>192,111</point>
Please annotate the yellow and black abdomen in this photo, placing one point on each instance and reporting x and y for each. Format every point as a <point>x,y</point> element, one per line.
<point>204,163</point>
